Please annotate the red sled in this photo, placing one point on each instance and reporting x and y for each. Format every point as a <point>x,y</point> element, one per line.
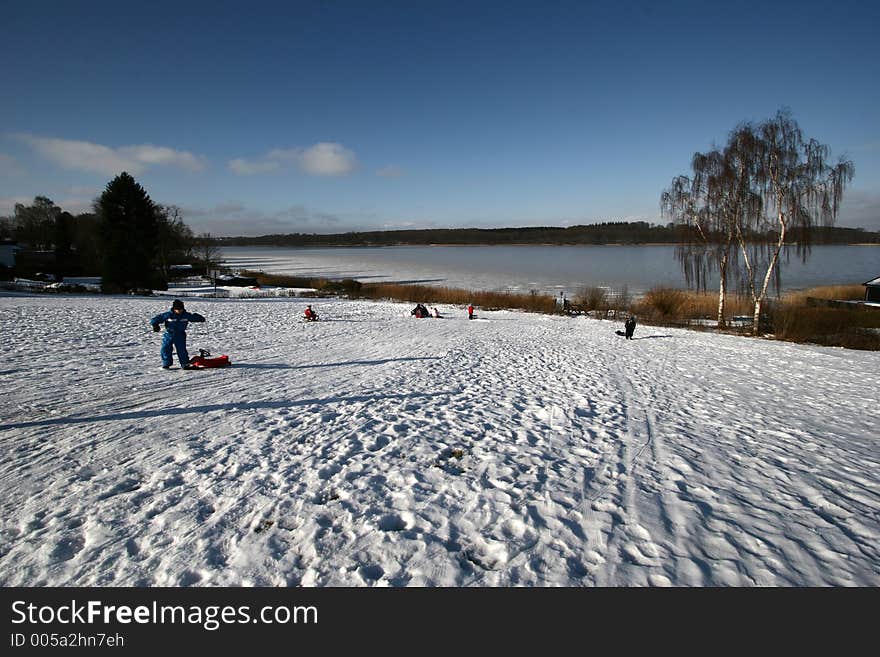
<point>204,360</point>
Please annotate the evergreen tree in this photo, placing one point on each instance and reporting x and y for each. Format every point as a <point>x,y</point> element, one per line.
<point>129,234</point>
<point>86,244</point>
<point>65,264</point>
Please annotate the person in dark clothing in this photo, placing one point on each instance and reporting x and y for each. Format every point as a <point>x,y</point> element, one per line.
<point>176,321</point>
<point>630,326</point>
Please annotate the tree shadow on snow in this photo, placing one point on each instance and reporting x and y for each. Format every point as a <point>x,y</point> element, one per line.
<point>231,406</point>
<point>364,362</point>
<point>285,366</point>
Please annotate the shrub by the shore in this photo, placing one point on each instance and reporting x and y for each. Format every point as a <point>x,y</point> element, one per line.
<point>793,318</point>
<point>799,317</point>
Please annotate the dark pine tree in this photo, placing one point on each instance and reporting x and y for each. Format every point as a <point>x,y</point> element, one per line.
<point>129,234</point>
<point>65,261</point>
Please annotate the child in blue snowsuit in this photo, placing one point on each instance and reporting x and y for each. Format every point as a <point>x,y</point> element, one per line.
<point>175,321</point>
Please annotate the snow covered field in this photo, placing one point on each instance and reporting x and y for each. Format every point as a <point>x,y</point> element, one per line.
<point>373,449</point>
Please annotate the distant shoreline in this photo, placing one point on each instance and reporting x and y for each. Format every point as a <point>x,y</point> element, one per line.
<point>494,244</point>
<point>638,233</point>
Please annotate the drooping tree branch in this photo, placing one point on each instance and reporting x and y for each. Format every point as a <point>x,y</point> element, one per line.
<point>765,185</point>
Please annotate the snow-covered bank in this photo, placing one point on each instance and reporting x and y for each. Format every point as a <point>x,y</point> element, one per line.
<point>373,449</point>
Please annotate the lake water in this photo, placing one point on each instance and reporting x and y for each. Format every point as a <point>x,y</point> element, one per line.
<point>548,269</point>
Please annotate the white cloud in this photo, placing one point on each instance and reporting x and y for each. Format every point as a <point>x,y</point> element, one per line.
<point>81,155</point>
<point>326,159</point>
<point>248,168</point>
<point>285,155</point>
<point>390,172</point>
<point>162,155</point>
<point>97,158</point>
<point>405,225</point>
<point>322,159</point>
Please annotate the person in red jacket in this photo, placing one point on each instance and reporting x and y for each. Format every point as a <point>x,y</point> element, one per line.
<point>471,311</point>
<point>310,315</point>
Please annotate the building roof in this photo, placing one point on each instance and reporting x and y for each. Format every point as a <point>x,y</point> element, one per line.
<point>876,281</point>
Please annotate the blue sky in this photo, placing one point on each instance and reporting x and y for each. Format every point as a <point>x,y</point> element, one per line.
<point>261,117</point>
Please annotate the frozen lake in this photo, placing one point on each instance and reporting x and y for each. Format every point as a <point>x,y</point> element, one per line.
<point>550,269</point>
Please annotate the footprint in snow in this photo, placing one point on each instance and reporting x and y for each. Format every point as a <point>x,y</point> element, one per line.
<point>67,548</point>
<point>381,442</point>
<point>488,556</point>
<point>395,523</point>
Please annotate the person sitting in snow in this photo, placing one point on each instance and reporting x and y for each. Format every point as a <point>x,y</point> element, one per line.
<point>630,326</point>
<point>176,321</point>
<point>310,315</point>
<point>419,311</point>
<point>436,313</point>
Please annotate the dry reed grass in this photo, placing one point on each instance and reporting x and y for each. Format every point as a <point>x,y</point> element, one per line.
<point>790,319</point>
<point>431,295</point>
<point>832,292</point>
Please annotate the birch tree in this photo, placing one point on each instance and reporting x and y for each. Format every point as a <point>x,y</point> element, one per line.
<point>798,190</point>
<point>767,186</point>
<point>707,207</point>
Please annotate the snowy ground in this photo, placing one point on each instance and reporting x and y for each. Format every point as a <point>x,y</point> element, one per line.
<point>373,449</point>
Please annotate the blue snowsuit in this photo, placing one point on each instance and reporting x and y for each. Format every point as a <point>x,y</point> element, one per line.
<point>175,334</point>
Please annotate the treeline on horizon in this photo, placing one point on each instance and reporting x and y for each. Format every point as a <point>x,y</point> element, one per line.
<point>620,232</point>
